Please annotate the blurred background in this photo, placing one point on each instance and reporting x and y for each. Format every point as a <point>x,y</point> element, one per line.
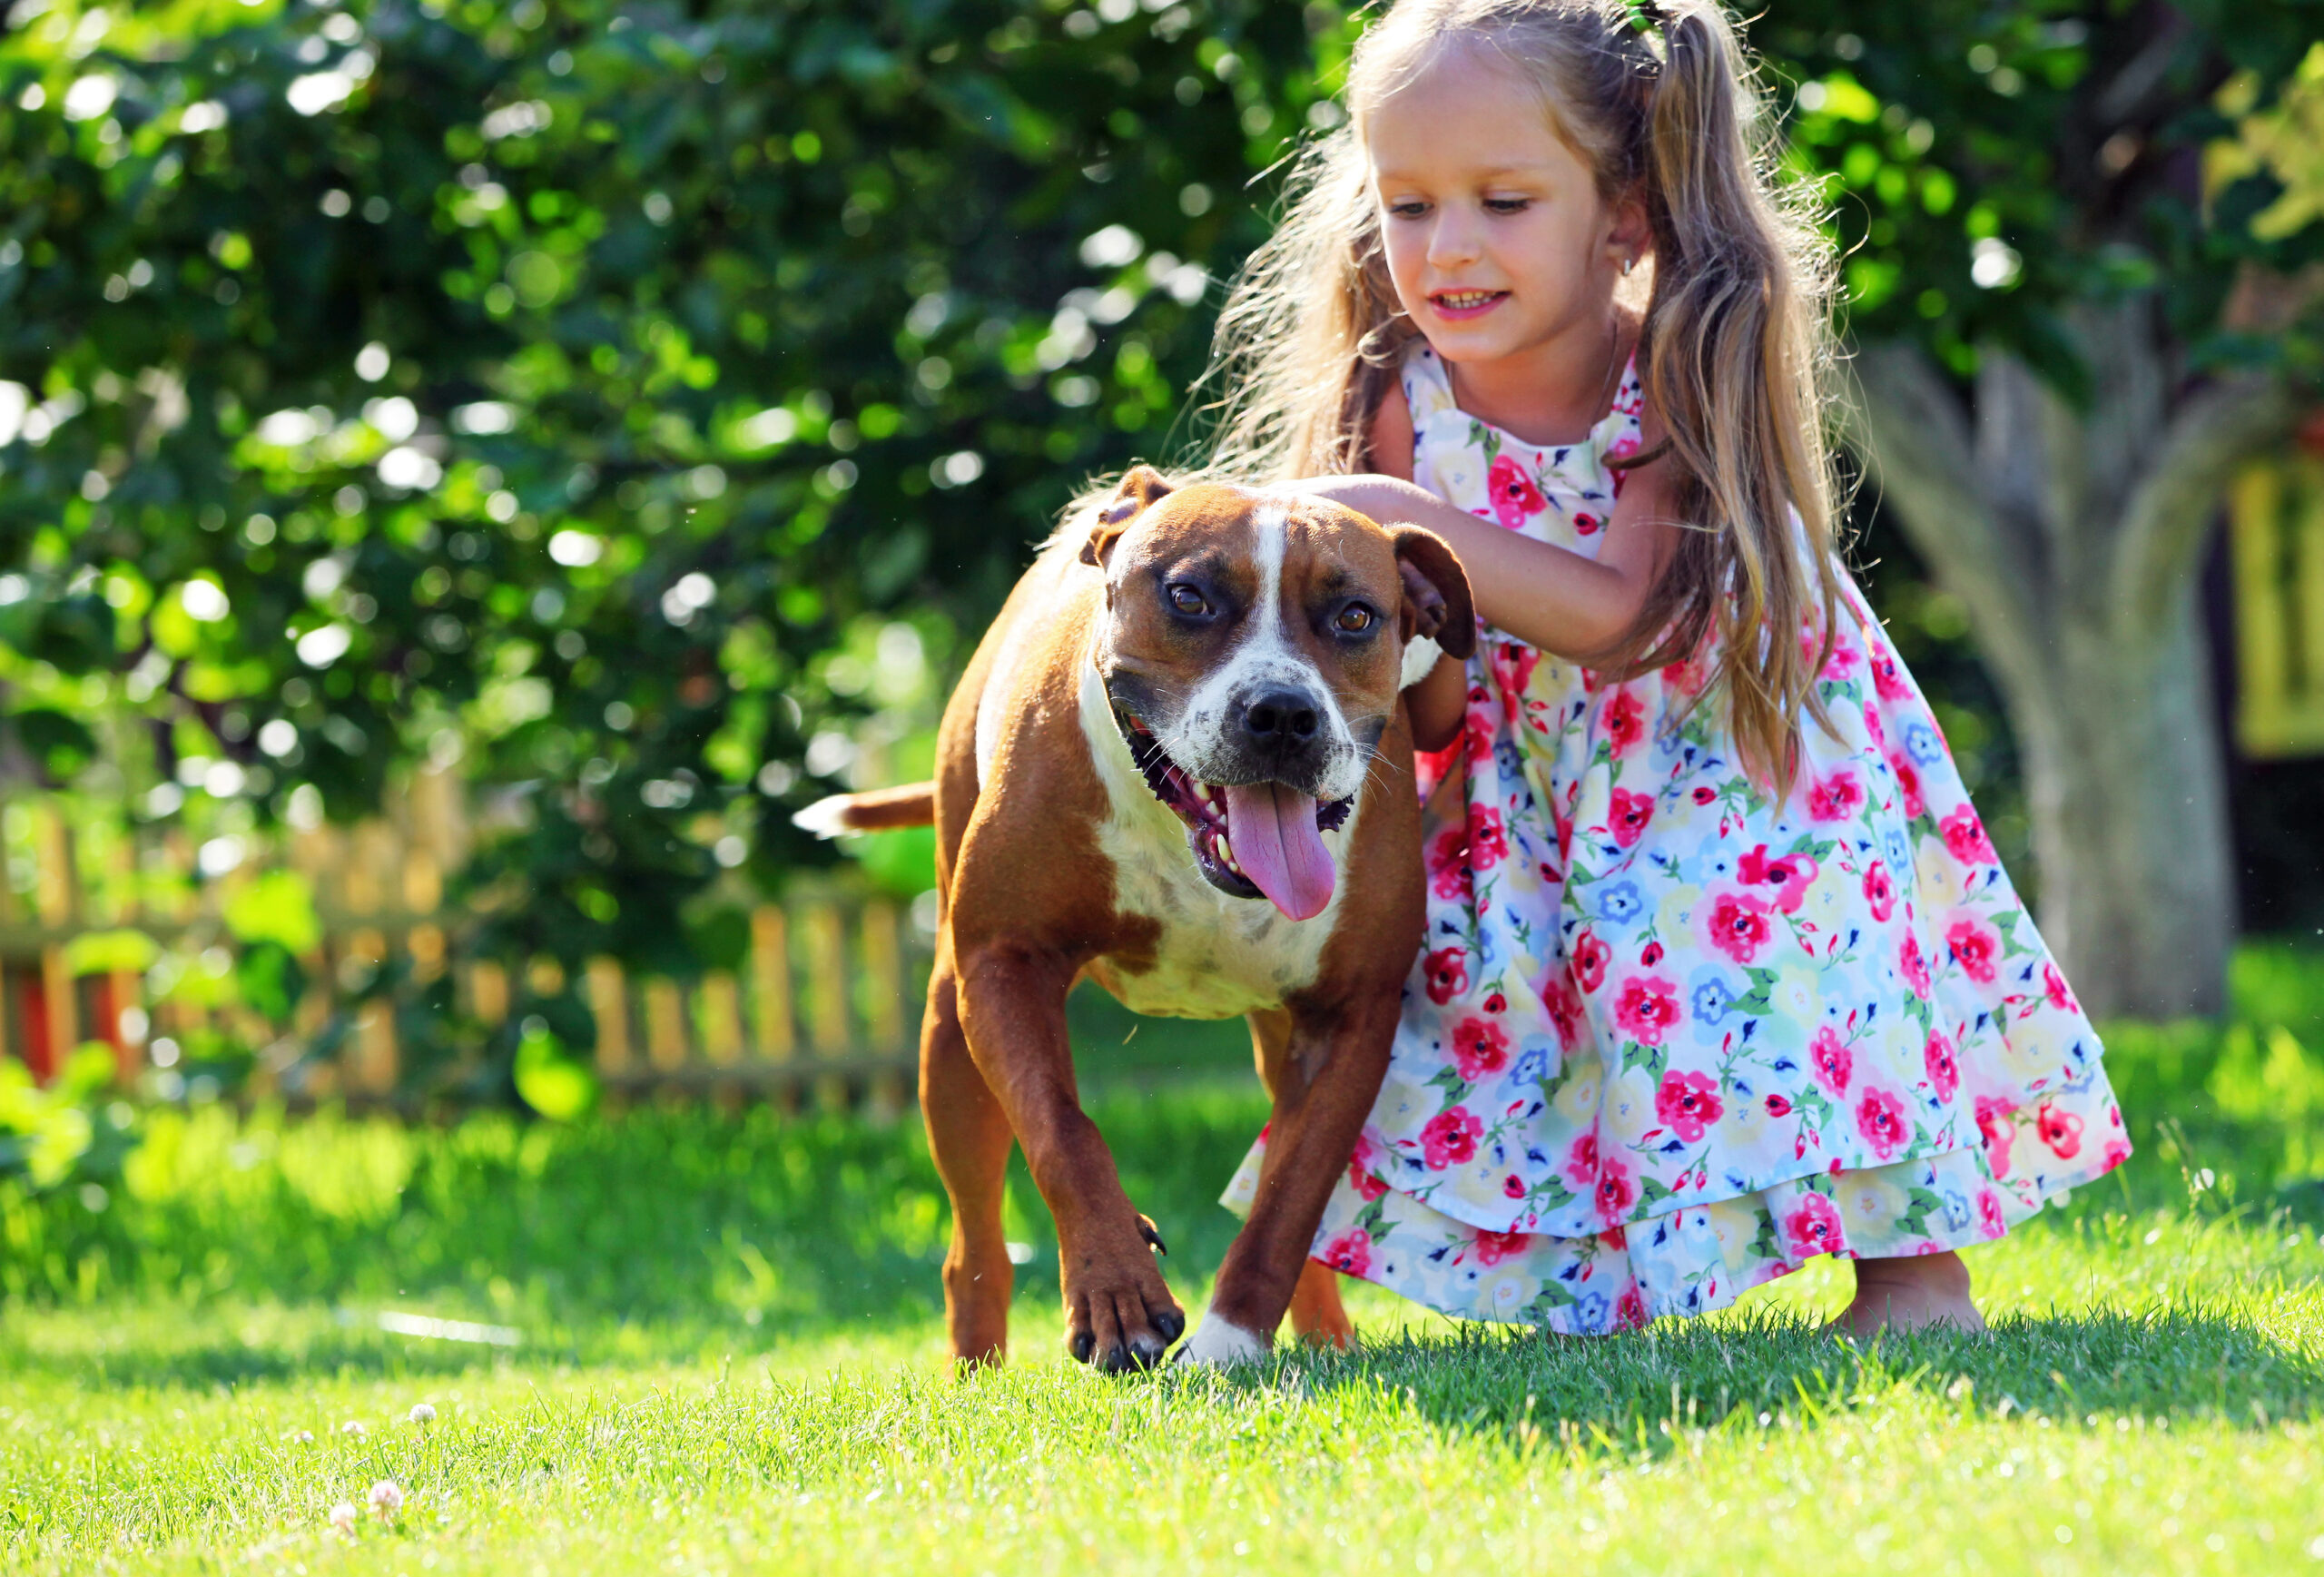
<point>468,471</point>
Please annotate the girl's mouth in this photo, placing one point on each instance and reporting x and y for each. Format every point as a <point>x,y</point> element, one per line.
<point>1459,304</point>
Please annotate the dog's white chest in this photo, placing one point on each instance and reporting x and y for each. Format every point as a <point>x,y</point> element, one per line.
<point>1216,956</point>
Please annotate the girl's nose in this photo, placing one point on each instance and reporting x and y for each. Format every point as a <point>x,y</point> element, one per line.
<point>1453,242</point>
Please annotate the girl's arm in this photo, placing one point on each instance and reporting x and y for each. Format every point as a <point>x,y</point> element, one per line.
<point>1574,607</point>
<point>1438,704</point>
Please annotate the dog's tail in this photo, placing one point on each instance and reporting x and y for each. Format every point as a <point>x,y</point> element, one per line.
<point>911,805</point>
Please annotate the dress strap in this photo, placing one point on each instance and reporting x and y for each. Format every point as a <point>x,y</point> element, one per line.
<point>1428,389</point>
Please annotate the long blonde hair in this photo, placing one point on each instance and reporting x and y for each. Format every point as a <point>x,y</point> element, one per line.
<point>1736,349</point>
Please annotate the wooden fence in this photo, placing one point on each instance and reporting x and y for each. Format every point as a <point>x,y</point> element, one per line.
<point>109,936</point>
<point>2276,518</point>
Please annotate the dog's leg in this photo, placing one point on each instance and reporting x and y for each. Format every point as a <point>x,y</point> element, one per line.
<point>1118,1312</point>
<point>1330,1071</point>
<point>1317,1317</point>
<point>968,1137</point>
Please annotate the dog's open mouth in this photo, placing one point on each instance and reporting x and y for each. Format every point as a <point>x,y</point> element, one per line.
<point>1261,840</point>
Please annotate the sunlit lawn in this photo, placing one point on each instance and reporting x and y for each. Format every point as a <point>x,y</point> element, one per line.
<point>729,1359</point>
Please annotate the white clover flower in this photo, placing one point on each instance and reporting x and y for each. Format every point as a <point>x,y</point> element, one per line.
<point>302,1437</point>
<point>342,1517</point>
<point>352,1427</point>
<point>422,1413</point>
<point>386,1497</point>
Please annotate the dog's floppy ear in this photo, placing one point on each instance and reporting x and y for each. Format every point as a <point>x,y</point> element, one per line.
<point>1140,489</point>
<point>1437,591</point>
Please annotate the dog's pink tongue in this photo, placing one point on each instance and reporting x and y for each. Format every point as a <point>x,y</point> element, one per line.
<point>1276,843</point>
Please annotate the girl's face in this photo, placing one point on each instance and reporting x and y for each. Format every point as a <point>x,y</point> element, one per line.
<point>1496,238</point>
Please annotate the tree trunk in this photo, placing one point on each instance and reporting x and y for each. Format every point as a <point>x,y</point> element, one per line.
<point>2074,536</point>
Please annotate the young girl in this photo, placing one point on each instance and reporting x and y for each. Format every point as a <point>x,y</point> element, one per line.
<point>1721,973</point>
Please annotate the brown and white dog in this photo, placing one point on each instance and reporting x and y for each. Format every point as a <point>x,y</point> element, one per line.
<point>1177,765</point>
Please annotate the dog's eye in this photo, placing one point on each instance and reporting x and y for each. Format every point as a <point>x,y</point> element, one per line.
<point>1188,601</point>
<point>1354,619</point>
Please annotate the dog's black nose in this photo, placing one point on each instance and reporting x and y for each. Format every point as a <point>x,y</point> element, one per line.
<point>1280,717</point>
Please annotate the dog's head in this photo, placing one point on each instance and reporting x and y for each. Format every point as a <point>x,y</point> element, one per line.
<point>1253,649</point>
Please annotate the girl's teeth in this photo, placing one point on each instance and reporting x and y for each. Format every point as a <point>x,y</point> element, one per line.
<point>1462,300</point>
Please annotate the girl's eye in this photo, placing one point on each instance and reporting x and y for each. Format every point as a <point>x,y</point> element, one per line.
<point>1354,619</point>
<point>1188,601</point>
<point>1407,209</point>
<point>1507,204</point>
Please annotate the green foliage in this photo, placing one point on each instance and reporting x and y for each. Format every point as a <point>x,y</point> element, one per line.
<point>571,387</point>
<point>62,1134</point>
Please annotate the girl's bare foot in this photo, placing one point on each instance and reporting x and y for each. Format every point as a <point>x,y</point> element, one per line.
<point>1922,1292</point>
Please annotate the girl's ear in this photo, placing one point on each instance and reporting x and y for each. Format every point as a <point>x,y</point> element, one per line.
<point>1437,591</point>
<point>1629,236</point>
<point>1140,489</point>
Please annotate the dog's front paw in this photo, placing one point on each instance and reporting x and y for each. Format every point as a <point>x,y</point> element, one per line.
<point>1219,1343</point>
<point>1119,1313</point>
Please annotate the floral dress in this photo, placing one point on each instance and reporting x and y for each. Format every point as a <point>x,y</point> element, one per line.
<point>1668,1040</point>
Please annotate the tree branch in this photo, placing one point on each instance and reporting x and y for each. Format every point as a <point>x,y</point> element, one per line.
<point>2168,512</point>
<point>1913,438</point>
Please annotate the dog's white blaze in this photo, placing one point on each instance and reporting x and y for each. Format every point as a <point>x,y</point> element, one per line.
<point>1217,955</point>
<point>1220,1344</point>
<point>1266,653</point>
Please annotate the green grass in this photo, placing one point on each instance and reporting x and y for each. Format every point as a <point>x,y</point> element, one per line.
<point>731,1359</point>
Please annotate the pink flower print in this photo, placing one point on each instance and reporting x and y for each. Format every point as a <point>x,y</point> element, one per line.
<point>1492,1247</point>
<point>1908,784</point>
<point>1990,1220</point>
<point>1995,1124</point>
<point>1590,959</point>
<point>1688,1103</point>
<point>1944,1069</point>
<point>2117,1152</point>
<point>1911,965</point>
<point>1815,1227</point>
<point>1841,665</point>
<point>1450,1139</point>
<point>1888,675</point>
<point>1565,1012</point>
<point>1836,798</point>
<point>1477,735</point>
<point>1448,865</point>
<point>1447,972</point>
<point>1582,1161</point>
<point>1512,1187</point>
<point>1965,837</point>
<point>1586,523</point>
<point>1350,1253</point>
<point>2054,987</point>
<point>1630,1311</point>
<point>1739,926</point>
<point>1875,727</point>
<point>1615,1191</point>
<point>1480,1048</point>
<point>1792,873</point>
<point>1512,666</point>
<point>1647,1008</point>
<point>1625,722</point>
<point>1628,815</point>
<point>2060,1129</point>
<point>1834,1063</point>
<point>1880,1118</point>
<point>1515,496</point>
<point>1976,946</point>
<point>1487,839</point>
<point>1879,892</point>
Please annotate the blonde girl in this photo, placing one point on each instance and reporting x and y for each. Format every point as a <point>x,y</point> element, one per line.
<point>1721,973</point>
